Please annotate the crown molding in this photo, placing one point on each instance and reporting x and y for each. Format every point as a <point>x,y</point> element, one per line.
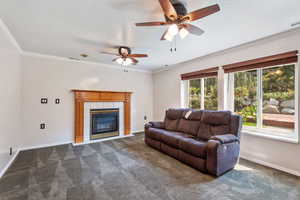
<point>10,36</point>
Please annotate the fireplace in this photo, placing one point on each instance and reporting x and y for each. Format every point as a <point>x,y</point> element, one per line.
<point>104,123</point>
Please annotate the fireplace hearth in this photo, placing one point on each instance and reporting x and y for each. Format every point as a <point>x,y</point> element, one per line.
<point>104,123</point>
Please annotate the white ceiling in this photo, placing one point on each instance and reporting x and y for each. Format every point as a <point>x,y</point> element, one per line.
<point>68,28</point>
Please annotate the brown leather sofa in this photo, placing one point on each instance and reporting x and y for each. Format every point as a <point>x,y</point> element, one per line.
<point>206,140</point>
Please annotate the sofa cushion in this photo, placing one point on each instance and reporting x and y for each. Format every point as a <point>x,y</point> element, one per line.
<point>216,117</point>
<point>172,118</point>
<point>188,126</point>
<point>154,133</point>
<point>195,147</point>
<point>175,113</point>
<point>171,151</point>
<point>195,162</point>
<point>224,139</point>
<point>219,130</point>
<point>194,115</point>
<point>153,143</point>
<point>214,123</point>
<point>236,125</point>
<point>204,132</point>
<point>171,124</point>
<point>172,138</point>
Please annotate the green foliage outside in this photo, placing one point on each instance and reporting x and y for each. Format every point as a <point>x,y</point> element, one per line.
<point>278,84</point>
<point>245,100</point>
<point>195,94</point>
<point>210,94</point>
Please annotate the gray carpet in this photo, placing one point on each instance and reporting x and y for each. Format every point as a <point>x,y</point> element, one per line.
<point>127,169</point>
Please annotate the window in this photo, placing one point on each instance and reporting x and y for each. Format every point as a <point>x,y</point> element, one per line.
<point>203,93</point>
<point>195,94</point>
<point>245,96</point>
<point>210,93</point>
<point>266,98</point>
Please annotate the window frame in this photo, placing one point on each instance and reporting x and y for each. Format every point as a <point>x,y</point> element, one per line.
<point>293,136</point>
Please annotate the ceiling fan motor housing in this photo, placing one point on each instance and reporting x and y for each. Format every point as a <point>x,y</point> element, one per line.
<point>123,49</point>
<point>180,9</point>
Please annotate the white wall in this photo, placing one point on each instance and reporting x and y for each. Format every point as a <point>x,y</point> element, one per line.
<point>54,78</point>
<point>10,95</point>
<point>167,94</point>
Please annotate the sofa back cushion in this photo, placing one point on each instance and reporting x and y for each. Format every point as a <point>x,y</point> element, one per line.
<point>214,123</point>
<point>190,122</point>
<point>172,118</point>
<point>236,125</point>
<point>216,117</point>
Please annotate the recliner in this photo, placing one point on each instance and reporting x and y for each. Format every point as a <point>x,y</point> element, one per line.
<point>205,140</point>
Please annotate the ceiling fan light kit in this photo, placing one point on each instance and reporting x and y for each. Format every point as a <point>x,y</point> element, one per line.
<point>119,61</point>
<point>125,58</point>
<point>125,61</point>
<point>183,33</point>
<point>173,30</point>
<point>168,37</point>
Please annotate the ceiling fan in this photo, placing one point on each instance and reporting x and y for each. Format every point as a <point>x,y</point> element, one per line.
<point>125,57</point>
<point>177,17</point>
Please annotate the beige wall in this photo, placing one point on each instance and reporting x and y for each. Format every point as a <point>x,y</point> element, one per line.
<point>54,78</point>
<point>10,96</point>
<point>167,85</point>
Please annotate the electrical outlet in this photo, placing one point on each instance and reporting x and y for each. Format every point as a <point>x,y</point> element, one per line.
<point>57,101</point>
<point>44,100</point>
<point>42,126</point>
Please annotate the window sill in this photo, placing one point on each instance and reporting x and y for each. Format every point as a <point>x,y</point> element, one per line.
<point>278,137</point>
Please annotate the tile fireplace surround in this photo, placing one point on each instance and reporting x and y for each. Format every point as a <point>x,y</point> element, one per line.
<point>90,99</point>
<point>101,105</point>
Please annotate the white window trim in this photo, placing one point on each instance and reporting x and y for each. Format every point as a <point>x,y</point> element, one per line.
<point>292,137</point>
<point>202,97</point>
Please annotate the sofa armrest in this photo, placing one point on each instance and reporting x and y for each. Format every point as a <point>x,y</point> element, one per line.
<point>222,156</point>
<point>224,139</point>
<point>160,125</point>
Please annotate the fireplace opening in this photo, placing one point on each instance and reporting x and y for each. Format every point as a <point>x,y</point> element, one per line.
<point>104,123</point>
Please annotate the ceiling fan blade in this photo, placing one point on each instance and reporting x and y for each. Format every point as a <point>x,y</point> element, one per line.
<point>134,61</point>
<point>203,12</point>
<point>109,53</point>
<point>114,60</point>
<point>168,9</point>
<point>151,24</point>
<point>193,29</point>
<point>164,35</point>
<point>167,36</point>
<point>137,55</point>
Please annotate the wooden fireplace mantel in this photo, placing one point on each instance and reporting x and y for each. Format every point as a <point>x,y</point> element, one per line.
<point>82,96</point>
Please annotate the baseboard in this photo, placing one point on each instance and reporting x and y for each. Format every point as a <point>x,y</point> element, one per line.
<point>271,165</point>
<point>44,146</point>
<point>2,172</point>
<point>138,131</point>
